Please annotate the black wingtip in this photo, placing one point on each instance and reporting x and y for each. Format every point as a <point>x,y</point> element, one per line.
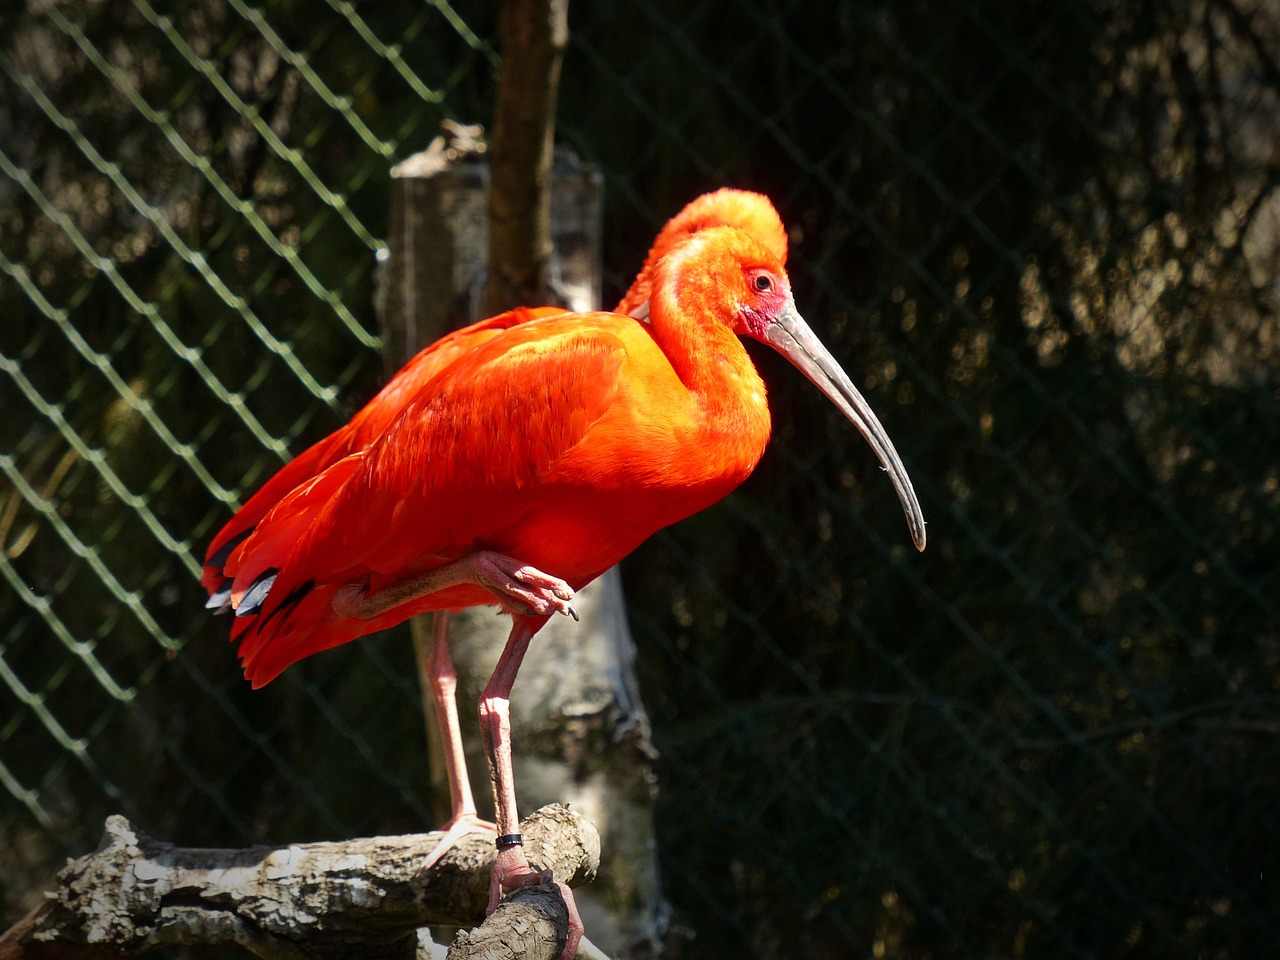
<point>219,559</point>
<point>253,598</point>
<point>292,600</point>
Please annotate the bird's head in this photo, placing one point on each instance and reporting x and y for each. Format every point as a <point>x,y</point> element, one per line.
<point>732,272</point>
<point>752,213</point>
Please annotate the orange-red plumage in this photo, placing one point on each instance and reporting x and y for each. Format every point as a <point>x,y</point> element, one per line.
<point>750,212</point>
<point>356,434</point>
<point>564,441</point>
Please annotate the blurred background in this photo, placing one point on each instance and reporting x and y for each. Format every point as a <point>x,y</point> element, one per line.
<point>1042,237</point>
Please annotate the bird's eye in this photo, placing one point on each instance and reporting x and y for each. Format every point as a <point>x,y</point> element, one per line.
<point>763,282</point>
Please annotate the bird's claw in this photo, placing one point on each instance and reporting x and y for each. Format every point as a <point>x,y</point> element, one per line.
<point>512,871</point>
<point>454,831</point>
<point>523,589</point>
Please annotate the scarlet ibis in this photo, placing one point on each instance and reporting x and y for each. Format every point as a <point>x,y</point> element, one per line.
<point>751,212</point>
<point>534,461</point>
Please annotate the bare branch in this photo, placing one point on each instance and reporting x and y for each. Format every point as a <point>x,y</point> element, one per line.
<point>315,899</point>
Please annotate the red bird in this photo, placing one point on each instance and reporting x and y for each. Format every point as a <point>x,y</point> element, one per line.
<point>527,466</point>
<point>751,212</point>
<point>748,211</point>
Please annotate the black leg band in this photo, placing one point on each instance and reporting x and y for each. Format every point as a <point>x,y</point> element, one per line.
<point>509,840</point>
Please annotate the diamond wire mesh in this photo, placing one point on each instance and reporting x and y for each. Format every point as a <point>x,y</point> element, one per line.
<point>1043,238</point>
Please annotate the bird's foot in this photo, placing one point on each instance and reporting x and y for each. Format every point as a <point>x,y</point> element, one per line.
<point>520,588</point>
<point>460,826</point>
<point>512,871</point>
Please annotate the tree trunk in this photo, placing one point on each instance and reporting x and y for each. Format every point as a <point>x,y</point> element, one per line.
<point>532,35</point>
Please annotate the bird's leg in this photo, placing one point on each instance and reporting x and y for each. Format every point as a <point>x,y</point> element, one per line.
<point>518,587</point>
<point>443,680</point>
<point>444,685</point>
<point>530,596</point>
<point>512,869</point>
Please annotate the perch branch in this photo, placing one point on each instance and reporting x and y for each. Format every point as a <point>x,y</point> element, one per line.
<point>365,896</point>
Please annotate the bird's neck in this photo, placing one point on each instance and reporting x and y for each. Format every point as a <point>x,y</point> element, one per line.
<point>714,367</point>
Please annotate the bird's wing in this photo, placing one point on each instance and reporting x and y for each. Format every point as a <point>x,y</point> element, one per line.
<point>455,468</point>
<point>426,364</point>
<point>361,430</point>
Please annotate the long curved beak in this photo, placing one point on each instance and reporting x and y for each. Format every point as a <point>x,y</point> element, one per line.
<point>791,337</point>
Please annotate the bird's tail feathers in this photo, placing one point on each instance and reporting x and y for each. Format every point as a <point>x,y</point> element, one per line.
<point>296,625</point>
<point>282,615</point>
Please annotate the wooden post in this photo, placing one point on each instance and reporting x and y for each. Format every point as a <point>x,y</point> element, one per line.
<point>532,35</point>
<point>580,731</point>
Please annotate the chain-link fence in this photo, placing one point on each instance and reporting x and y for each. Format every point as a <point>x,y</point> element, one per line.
<point>1043,237</point>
